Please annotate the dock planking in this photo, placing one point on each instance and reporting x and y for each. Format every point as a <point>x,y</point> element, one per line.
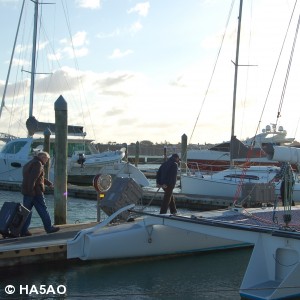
<point>40,247</point>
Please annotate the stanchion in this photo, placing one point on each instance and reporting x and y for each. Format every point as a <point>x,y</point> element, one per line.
<point>101,183</point>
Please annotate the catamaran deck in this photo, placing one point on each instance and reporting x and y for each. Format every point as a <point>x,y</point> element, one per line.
<point>42,247</point>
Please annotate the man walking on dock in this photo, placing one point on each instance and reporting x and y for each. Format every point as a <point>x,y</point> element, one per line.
<point>166,179</point>
<point>33,188</point>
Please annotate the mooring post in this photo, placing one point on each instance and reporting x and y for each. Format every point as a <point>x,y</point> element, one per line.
<point>183,164</point>
<point>137,154</point>
<point>47,134</point>
<point>126,152</point>
<point>60,169</point>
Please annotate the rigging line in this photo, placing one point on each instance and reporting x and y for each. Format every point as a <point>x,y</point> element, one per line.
<point>288,71</point>
<point>11,60</point>
<point>214,68</point>
<point>271,84</point>
<point>49,66</point>
<point>77,68</point>
<point>296,128</point>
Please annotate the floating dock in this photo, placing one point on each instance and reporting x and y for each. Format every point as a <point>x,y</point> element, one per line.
<point>40,247</point>
<point>150,197</point>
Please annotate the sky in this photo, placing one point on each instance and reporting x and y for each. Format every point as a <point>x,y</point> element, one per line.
<point>150,70</point>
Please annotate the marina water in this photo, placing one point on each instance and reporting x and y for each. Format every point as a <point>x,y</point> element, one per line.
<point>216,275</point>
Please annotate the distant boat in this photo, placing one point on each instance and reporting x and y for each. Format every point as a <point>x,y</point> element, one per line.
<point>83,164</point>
<point>255,168</point>
<point>273,270</point>
<point>217,158</point>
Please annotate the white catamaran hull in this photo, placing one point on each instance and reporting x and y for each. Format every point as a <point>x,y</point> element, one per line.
<point>137,240</point>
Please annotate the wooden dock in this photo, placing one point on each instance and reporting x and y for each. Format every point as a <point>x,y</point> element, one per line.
<point>42,247</point>
<point>150,196</point>
<point>38,248</point>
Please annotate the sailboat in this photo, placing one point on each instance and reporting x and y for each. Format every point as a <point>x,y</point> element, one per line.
<point>84,162</point>
<point>239,183</point>
<point>274,268</point>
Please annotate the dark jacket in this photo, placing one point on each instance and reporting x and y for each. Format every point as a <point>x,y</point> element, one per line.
<point>167,173</point>
<point>34,178</point>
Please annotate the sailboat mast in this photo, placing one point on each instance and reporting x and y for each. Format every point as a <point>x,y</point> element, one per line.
<point>33,57</point>
<point>236,66</point>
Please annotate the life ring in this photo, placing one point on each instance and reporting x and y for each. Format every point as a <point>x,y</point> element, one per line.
<point>102,182</point>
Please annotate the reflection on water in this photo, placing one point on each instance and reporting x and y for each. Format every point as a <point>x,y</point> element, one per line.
<point>202,276</point>
<point>78,210</point>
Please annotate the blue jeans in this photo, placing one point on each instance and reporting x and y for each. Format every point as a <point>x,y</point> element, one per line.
<point>39,203</point>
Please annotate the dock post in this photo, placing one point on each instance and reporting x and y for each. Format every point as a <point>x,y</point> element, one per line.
<point>183,164</point>
<point>126,152</point>
<point>47,134</point>
<point>165,153</point>
<point>137,154</point>
<point>60,169</point>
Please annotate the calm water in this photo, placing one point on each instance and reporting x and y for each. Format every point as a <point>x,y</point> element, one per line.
<point>200,276</point>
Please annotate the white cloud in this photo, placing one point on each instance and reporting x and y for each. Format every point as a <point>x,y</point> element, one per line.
<point>20,62</point>
<point>135,27</point>
<point>141,8</point>
<point>75,49</point>
<point>56,57</point>
<point>93,4</point>
<point>78,39</point>
<point>112,34</point>
<point>117,53</point>
<point>79,52</point>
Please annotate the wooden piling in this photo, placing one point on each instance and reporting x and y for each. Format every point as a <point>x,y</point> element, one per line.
<point>137,154</point>
<point>47,134</point>
<point>60,168</point>
<point>183,164</point>
<point>126,152</point>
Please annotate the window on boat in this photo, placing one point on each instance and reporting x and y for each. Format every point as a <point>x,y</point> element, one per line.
<point>239,176</point>
<point>37,146</point>
<point>13,148</point>
<point>74,147</point>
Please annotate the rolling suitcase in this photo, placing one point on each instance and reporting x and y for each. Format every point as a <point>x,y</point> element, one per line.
<point>12,218</point>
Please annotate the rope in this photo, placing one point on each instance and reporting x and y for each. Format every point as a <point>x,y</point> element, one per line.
<point>214,68</point>
<point>288,71</point>
<point>238,191</point>
<point>269,90</point>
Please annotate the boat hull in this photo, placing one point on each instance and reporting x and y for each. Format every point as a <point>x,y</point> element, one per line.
<point>133,240</point>
<point>227,183</point>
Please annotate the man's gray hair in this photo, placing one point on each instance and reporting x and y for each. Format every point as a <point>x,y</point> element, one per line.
<point>43,153</point>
